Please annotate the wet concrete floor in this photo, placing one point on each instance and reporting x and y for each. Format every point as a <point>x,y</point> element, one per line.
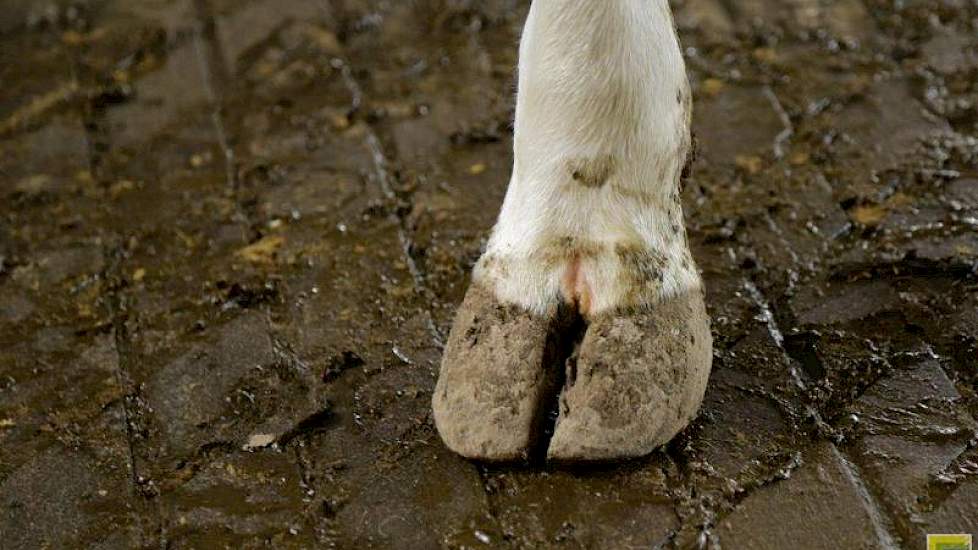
<point>233,235</point>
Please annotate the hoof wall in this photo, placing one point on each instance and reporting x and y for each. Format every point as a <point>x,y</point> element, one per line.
<point>494,377</point>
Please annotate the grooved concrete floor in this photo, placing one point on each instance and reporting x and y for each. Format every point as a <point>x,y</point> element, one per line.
<point>233,235</point>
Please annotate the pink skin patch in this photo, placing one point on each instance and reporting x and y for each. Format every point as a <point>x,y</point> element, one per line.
<point>575,287</point>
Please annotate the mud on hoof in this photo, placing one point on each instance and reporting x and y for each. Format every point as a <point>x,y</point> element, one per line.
<point>638,380</point>
<point>499,366</point>
<point>635,380</point>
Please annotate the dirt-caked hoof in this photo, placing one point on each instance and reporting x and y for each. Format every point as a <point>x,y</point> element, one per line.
<point>497,369</point>
<point>638,380</point>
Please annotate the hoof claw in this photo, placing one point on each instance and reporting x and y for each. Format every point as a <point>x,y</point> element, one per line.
<point>493,379</point>
<point>640,378</point>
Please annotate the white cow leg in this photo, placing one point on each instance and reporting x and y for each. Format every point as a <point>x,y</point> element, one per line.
<point>591,226</point>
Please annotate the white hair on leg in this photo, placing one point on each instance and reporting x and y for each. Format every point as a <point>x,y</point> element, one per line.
<point>592,212</point>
